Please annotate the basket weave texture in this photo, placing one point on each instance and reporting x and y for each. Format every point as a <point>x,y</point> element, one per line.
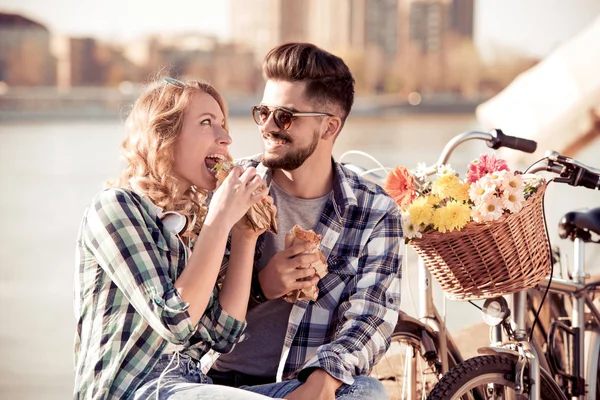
<point>485,260</point>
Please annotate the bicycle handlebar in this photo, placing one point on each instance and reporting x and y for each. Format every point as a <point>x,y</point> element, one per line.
<point>512,142</point>
<point>494,139</point>
<point>570,171</point>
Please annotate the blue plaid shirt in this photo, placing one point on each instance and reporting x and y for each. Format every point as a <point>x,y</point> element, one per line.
<point>348,329</point>
<point>126,305</point>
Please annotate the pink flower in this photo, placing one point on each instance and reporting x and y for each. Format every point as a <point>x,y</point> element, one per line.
<point>486,164</point>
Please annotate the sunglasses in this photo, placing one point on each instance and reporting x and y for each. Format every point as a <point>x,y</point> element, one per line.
<point>174,82</point>
<point>283,117</point>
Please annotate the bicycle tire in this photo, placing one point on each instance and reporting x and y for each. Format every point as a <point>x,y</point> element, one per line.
<point>479,371</point>
<point>592,360</point>
<point>405,348</point>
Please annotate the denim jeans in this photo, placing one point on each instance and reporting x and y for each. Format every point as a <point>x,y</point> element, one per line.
<point>363,388</point>
<point>178,377</point>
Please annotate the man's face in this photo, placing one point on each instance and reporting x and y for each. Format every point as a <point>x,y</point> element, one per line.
<point>289,149</point>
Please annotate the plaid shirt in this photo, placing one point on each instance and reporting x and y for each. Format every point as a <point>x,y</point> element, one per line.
<point>348,329</point>
<point>126,306</point>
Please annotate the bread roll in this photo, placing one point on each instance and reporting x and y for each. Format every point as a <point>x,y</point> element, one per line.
<point>261,215</point>
<point>292,237</point>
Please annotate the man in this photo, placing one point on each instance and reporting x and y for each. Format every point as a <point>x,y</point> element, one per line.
<point>324,348</point>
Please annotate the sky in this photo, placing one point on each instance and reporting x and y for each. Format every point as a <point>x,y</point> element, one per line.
<point>532,27</point>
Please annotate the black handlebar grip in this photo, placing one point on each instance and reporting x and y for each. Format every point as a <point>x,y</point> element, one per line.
<point>588,179</point>
<point>513,142</point>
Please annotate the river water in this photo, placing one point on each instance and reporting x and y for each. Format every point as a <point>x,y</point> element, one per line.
<point>49,171</point>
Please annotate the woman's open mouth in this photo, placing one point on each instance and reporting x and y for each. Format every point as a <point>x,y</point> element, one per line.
<point>212,160</point>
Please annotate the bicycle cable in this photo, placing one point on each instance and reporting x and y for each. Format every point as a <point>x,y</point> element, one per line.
<point>537,313</point>
<point>535,163</point>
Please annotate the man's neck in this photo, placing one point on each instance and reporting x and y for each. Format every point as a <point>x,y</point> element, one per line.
<point>310,181</point>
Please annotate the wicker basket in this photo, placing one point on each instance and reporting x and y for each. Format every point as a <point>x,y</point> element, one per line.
<point>490,259</point>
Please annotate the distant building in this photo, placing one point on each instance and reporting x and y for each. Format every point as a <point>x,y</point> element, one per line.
<point>390,45</point>
<point>262,24</point>
<point>192,56</point>
<point>336,25</point>
<point>430,31</point>
<point>86,69</point>
<point>25,58</point>
<point>461,17</point>
<point>361,31</point>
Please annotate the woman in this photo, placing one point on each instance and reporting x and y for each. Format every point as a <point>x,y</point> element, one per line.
<point>148,307</point>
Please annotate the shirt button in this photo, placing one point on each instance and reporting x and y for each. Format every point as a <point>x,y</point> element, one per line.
<point>159,301</point>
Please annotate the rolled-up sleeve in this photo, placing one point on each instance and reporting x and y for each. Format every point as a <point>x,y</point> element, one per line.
<point>125,247</point>
<point>217,329</point>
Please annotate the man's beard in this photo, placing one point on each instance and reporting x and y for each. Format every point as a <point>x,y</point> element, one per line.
<point>294,158</point>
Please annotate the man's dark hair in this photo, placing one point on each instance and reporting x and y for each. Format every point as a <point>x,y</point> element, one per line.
<point>328,79</point>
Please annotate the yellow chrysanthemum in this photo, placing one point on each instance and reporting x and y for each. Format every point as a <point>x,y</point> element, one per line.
<point>463,193</point>
<point>433,200</point>
<point>420,211</point>
<point>449,186</point>
<point>453,216</point>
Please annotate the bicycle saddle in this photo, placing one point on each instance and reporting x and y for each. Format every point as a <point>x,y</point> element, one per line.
<point>579,224</point>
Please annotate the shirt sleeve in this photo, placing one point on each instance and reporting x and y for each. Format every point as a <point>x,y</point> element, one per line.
<point>369,315</point>
<point>217,329</point>
<point>125,247</point>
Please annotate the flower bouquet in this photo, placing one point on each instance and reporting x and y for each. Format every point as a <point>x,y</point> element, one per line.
<point>481,236</point>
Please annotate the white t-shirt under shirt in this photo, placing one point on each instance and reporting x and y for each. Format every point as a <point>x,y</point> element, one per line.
<point>259,354</point>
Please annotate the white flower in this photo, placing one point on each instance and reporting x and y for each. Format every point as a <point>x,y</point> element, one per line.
<point>490,210</point>
<point>513,200</point>
<point>497,178</point>
<point>480,190</point>
<point>445,169</point>
<point>409,229</point>
<point>421,171</point>
<point>512,183</point>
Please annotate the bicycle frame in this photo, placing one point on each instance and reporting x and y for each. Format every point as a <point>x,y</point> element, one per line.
<point>586,345</point>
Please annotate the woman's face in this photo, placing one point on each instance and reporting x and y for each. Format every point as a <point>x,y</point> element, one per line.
<point>201,143</point>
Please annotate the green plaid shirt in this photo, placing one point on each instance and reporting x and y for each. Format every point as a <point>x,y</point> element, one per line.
<point>126,306</point>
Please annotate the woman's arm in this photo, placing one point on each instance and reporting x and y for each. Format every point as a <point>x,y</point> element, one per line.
<point>235,292</point>
<point>229,204</point>
<point>196,282</point>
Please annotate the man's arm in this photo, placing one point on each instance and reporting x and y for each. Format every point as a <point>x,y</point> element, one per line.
<point>368,317</point>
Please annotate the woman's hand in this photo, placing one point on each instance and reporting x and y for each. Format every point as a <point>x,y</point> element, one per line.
<point>238,192</point>
<point>242,228</point>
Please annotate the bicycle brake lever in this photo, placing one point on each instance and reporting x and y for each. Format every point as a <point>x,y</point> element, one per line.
<point>520,370</point>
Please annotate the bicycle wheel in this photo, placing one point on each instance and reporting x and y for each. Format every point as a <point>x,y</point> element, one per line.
<point>592,362</point>
<point>403,371</point>
<point>491,375</point>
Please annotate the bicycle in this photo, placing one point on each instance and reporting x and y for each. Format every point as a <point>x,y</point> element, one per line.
<point>425,348</point>
<point>512,366</point>
<point>424,338</point>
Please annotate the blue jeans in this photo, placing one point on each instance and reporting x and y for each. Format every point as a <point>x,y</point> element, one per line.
<point>363,388</point>
<point>180,378</point>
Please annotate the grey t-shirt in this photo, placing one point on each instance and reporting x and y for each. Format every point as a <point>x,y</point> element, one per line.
<point>259,354</point>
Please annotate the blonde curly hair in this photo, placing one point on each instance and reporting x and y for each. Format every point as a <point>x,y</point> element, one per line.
<point>152,128</point>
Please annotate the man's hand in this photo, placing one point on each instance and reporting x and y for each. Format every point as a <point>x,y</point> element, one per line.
<point>287,270</point>
<point>319,386</point>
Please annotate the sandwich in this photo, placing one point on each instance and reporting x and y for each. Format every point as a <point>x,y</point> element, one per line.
<point>261,216</point>
<point>292,237</point>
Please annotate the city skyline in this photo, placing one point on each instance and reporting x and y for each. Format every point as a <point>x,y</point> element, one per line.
<point>533,27</point>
